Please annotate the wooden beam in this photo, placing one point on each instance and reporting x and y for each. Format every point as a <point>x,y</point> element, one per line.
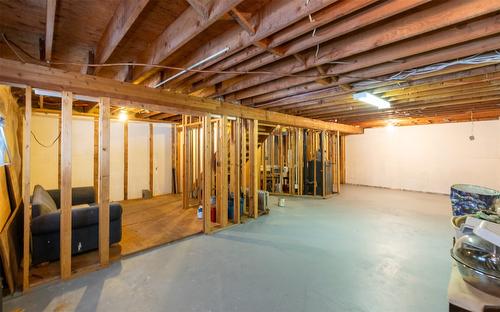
<point>202,7</point>
<point>49,28</point>
<point>207,172</point>
<point>222,163</point>
<point>186,163</point>
<point>253,199</point>
<point>237,177</point>
<point>243,20</point>
<point>131,95</point>
<point>367,17</point>
<point>151,158</point>
<point>412,25</point>
<point>26,189</point>
<point>274,16</point>
<point>104,180</point>
<point>188,25</point>
<point>120,23</point>
<point>125,160</point>
<point>65,204</point>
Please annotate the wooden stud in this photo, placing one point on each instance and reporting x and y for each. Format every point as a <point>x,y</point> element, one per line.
<point>323,161</point>
<point>243,170</point>
<point>65,204</point>
<point>222,152</point>
<point>104,159</point>
<point>342,160</point>
<point>96,158</point>
<point>207,172</point>
<point>125,160</point>
<point>151,158</point>
<point>252,143</point>
<point>26,188</point>
<point>237,165</point>
<point>337,163</point>
<point>185,163</point>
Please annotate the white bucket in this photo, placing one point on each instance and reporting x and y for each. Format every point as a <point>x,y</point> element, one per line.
<point>281,202</point>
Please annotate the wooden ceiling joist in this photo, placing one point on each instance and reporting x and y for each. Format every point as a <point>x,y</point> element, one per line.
<point>202,7</point>
<point>327,15</point>
<point>49,28</point>
<point>120,23</point>
<point>398,51</point>
<point>147,98</point>
<point>273,17</point>
<point>329,32</point>
<point>181,31</point>
<point>418,23</point>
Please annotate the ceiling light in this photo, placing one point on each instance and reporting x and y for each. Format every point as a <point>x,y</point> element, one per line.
<point>371,99</point>
<point>123,116</point>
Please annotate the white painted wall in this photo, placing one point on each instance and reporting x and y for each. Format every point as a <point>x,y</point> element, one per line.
<point>427,158</point>
<point>117,160</point>
<point>44,161</point>
<point>162,159</point>
<point>138,159</point>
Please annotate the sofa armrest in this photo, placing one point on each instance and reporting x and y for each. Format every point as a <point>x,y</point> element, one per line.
<point>48,223</point>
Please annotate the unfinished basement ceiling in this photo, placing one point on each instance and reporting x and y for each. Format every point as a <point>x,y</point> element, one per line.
<point>301,57</point>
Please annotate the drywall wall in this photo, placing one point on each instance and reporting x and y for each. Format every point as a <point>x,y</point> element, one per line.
<point>44,151</point>
<point>427,158</point>
<point>138,159</point>
<point>117,160</point>
<point>44,160</point>
<point>162,159</point>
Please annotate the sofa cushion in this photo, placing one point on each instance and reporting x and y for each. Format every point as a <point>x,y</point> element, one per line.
<point>43,199</point>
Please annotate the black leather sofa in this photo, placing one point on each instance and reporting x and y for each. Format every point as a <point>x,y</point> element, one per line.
<point>85,224</point>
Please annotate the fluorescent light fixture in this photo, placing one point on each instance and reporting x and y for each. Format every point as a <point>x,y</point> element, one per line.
<point>182,72</point>
<point>371,99</point>
<point>4,149</point>
<point>123,116</point>
<point>59,95</point>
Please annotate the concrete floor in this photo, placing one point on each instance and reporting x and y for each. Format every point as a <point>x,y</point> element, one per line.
<point>367,249</point>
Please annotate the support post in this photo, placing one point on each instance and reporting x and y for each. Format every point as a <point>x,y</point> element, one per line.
<point>337,158</point>
<point>254,173</point>
<point>151,158</point>
<point>243,168</point>
<point>65,227</point>
<point>222,152</point>
<point>26,189</point>
<point>185,164</point>
<point>237,166</point>
<point>125,160</point>
<point>104,155</point>
<point>207,172</point>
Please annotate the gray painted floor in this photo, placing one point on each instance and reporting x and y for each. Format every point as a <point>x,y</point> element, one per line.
<point>367,249</point>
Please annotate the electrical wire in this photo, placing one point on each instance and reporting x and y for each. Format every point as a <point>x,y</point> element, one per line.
<point>43,145</point>
<point>10,45</point>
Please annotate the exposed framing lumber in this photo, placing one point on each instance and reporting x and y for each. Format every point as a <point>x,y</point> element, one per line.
<point>151,158</point>
<point>253,130</point>
<point>104,179</point>
<point>202,7</point>
<point>222,163</point>
<point>325,33</point>
<point>120,23</point>
<point>65,204</point>
<point>273,17</point>
<point>243,164</point>
<point>403,28</point>
<point>242,20</point>
<point>186,163</point>
<point>26,188</point>
<point>182,30</point>
<point>150,99</point>
<point>49,28</point>
<point>125,160</point>
<point>207,172</point>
